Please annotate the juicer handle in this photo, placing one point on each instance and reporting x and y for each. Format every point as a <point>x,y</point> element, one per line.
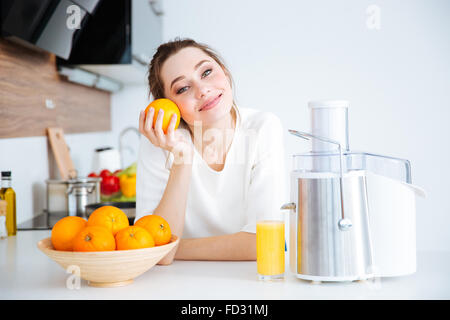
<point>344,223</point>
<point>307,136</point>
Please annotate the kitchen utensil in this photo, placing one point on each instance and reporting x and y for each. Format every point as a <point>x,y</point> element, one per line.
<point>106,158</point>
<point>331,184</point>
<point>61,153</point>
<point>72,196</point>
<point>108,268</point>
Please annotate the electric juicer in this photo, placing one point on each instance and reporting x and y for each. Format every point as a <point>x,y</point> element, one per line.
<point>352,213</point>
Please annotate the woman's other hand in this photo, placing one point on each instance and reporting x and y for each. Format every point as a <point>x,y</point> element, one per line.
<point>174,141</point>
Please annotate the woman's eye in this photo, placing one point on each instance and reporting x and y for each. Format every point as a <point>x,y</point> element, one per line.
<point>180,91</point>
<point>209,72</point>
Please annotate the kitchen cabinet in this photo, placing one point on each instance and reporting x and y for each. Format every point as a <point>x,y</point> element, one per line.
<point>34,97</point>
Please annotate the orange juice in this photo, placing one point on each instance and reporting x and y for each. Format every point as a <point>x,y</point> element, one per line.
<point>270,249</point>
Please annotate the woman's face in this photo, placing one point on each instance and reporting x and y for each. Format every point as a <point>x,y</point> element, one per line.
<point>192,79</point>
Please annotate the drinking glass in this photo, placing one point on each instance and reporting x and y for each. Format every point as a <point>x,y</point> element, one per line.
<point>270,245</point>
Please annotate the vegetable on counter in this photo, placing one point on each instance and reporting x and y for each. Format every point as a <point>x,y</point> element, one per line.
<point>119,186</point>
<point>110,185</point>
<point>128,185</point>
<point>128,181</point>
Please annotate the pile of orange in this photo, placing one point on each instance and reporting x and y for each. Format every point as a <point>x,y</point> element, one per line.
<point>108,229</point>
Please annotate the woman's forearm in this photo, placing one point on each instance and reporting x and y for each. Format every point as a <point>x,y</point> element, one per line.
<point>172,206</point>
<point>237,246</point>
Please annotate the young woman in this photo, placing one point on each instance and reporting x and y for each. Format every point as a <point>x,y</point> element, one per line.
<point>221,171</point>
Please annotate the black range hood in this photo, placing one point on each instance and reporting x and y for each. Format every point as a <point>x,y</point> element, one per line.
<point>113,39</point>
<point>105,37</point>
<point>76,31</point>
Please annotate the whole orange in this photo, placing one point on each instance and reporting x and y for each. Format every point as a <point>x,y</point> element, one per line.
<point>169,108</point>
<point>110,217</point>
<point>94,238</point>
<point>157,226</point>
<point>65,230</point>
<point>134,237</point>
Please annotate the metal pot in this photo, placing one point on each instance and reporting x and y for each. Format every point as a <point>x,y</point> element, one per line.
<point>72,196</point>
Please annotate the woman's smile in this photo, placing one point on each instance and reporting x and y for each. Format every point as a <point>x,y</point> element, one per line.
<point>211,104</point>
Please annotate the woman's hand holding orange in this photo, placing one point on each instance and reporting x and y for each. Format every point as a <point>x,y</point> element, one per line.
<point>173,141</point>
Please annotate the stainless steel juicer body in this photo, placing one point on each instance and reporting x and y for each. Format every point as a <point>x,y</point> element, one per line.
<point>320,249</point>
<point>329,227</point>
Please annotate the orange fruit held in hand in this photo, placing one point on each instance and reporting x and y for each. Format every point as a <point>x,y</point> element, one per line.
<point>94,238</point>
<point>110,217</point>
<point>65,230</point>
<point>169,108</point>
<point>134,237</point>
<point>157,226</point>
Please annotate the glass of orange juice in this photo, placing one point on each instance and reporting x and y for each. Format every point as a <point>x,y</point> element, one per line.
<point>270,249</point>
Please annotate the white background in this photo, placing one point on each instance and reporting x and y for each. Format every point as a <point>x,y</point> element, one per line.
<point>283,54</point>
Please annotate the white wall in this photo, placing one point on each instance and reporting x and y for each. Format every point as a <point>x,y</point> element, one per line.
<point>283,54</point>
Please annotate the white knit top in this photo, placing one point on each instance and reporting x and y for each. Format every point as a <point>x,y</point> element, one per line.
<point>251,186</point>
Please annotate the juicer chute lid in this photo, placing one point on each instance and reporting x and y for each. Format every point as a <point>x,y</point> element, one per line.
<point>329,119</point>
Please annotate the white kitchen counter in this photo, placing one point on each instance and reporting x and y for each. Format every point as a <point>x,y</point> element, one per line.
<point>26,273</point>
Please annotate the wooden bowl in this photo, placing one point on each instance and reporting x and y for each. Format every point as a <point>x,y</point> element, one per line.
<point>108,268</point>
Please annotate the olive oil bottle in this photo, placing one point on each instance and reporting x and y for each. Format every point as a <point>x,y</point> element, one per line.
<point>7,193</point>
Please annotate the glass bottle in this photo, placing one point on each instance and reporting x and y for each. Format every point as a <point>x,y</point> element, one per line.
<point>3,231</point>
<point>7,193</point>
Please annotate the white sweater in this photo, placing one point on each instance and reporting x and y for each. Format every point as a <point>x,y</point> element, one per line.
<point>251,186</point>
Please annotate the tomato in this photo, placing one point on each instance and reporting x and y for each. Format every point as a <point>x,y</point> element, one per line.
<point>105,173</point>
<point>93,175</point>
<point>110,185</point>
